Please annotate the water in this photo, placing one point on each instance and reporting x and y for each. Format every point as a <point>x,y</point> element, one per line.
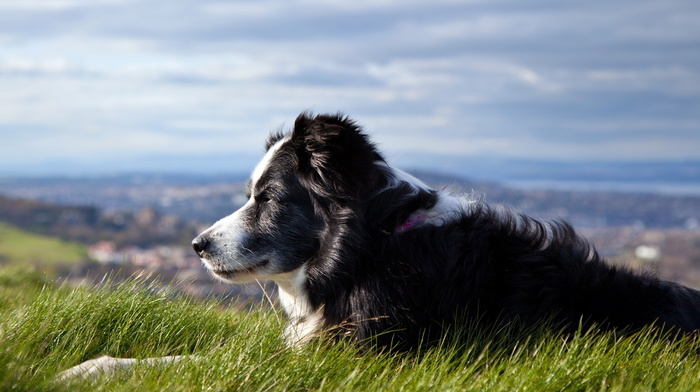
<point>674,189</point>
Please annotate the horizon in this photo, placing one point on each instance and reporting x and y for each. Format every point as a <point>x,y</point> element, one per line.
<point>667,177</point>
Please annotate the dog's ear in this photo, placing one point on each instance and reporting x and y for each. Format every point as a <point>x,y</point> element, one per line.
<point>335,157</point>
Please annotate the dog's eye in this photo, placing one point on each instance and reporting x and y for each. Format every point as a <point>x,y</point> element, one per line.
<point>262,198</point>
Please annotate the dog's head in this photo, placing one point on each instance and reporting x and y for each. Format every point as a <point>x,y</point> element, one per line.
<point>324,162</point>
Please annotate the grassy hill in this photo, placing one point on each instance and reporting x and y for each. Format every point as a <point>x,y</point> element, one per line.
<point>23,248</point>
<point>48,328</point>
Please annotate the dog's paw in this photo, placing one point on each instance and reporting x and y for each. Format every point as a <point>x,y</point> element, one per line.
<point>95,367</point>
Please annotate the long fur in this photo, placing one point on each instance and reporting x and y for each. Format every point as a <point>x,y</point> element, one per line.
<point>494,266</point>
<point>354,272</point>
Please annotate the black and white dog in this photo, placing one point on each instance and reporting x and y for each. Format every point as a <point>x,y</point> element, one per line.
<point>358,245</point>
<point>363,250</point>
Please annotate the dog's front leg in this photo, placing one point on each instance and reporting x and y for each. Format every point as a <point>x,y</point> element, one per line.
<point>109,365</point>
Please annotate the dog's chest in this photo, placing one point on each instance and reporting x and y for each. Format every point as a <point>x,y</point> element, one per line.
<point>304,321</point>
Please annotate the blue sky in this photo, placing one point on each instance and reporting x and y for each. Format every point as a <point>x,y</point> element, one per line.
<point>120,85</point>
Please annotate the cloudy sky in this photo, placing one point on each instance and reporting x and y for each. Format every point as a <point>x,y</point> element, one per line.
<point>121,85</point>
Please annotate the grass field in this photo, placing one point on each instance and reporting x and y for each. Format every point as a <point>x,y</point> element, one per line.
<point>21,247</point>
<point>47,328</point>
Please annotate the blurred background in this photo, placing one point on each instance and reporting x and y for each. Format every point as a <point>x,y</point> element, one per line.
<point>128,125</point>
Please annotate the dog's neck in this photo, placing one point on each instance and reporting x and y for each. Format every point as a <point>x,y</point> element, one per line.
<point>448,208</point>
<point>304,320</point>
<point>450,205</point>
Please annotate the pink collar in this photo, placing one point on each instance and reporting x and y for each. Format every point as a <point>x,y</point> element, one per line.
<point>411,222</point>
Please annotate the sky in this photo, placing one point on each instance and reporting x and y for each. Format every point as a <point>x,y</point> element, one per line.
<point>96,86</point>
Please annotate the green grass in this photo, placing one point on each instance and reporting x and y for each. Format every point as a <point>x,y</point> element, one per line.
<point>24,248</point>
<point>49,328</point>
<point>18,287</point>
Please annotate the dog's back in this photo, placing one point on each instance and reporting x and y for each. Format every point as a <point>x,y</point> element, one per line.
<point>496,268</point>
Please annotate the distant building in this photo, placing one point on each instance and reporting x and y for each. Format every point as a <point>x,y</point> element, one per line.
<point>105,252</point>
<point>647,252</point>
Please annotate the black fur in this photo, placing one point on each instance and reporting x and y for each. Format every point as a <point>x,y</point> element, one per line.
<point>371,281</point>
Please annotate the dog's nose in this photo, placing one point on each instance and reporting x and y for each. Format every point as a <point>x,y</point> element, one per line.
<point>200,245</point>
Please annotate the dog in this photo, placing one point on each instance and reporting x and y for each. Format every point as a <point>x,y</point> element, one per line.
<point>363,251</point>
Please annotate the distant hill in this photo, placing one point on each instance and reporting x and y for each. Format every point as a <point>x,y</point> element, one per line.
<point>42,216</point>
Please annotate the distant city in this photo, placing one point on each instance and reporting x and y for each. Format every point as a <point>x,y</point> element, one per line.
<point>145,222</point>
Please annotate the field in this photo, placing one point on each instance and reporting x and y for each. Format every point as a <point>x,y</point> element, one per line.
<point>48,327</point>
<point>23,248</point>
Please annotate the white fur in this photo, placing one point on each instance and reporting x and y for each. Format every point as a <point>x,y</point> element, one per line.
<point>229,230</point>
<point>264,163</point>
<point>450,206</point>
<point>401,176</point>
<point>107,365</point>
<point>303,320</point>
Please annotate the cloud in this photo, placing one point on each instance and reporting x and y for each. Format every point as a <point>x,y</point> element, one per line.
<point>540,78</point>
